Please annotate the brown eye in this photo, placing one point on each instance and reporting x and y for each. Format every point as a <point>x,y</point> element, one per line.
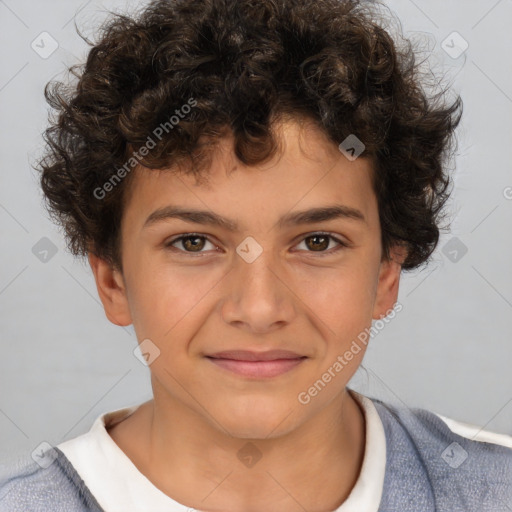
<point>317,242</point>
<point>193,243</point>
<point>189,243</point>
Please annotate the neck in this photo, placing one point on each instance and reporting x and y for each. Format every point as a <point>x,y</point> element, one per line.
<point>313,467</point>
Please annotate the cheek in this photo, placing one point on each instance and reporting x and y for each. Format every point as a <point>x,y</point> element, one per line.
<point>342,307</point>
<point>341,300</point>
<point>168,304</point>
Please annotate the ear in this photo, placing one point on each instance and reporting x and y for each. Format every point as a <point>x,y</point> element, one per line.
<point>388,283</point>
<point>112,291</point>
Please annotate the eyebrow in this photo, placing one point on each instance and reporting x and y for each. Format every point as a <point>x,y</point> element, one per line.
<point>311,216</point>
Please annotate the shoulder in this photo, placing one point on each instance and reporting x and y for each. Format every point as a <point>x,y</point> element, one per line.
<point>46,483</point>
<point>453,465</point>
<point>429,428</point>
<point>476,433</point>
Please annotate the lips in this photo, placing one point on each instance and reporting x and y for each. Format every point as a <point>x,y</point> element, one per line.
<point>247,355</point>
<point>257,365</point>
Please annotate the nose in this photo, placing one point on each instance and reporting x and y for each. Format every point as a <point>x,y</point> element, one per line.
<point>259,296</point>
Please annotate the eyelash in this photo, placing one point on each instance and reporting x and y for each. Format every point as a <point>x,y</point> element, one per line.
<point>342,245</point>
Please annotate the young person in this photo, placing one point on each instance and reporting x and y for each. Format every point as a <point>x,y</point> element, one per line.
<point>248,180</point>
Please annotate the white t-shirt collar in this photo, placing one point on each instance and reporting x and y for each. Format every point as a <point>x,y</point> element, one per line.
<point>118,485</point>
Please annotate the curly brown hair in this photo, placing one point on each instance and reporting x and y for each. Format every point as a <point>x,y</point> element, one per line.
<point>244,64</point>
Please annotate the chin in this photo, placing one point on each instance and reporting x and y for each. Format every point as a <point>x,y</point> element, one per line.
<point>253,422</point>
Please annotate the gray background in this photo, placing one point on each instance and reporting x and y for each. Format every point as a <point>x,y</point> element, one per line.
<point>450,348</point>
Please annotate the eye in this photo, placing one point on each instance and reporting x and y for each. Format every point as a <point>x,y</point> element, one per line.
<point>191,243</point>
<point>319,242</point>
<point>195,243</point>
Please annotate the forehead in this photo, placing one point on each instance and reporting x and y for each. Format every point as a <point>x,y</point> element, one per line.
<point>307,171</point>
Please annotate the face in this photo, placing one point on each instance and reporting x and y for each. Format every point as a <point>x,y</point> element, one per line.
<point>266,279</point>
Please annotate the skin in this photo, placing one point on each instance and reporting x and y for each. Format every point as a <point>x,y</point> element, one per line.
<point>186,440</point>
